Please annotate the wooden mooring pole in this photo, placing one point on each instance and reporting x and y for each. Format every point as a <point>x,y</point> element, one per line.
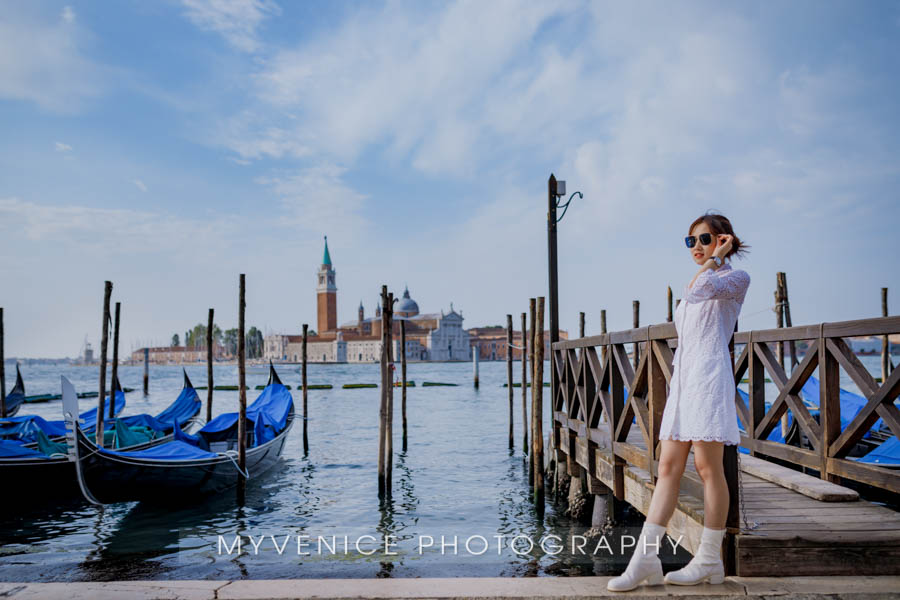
<point>115,366</point>
<point>669,313</point>
<point>732,473</point>
<point>304,383</point>
<point>382,410</point>
<point>104,346</point>
<point>475,350</point>
<point>509,376</point>
<point>209,365</point>
<point>146,371</point>
<point>242,391</point>
<point>524,384</point>
<point>532,309</point>
<point>792,344</point>
<point>537,388</point>
<point>779,346</point>
<point>389,430</point>
<point>603,330</point>
<point>887,365</point>
<point>636,313</point>
<point>403,377</point>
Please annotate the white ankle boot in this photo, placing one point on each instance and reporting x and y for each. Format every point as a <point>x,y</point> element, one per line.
<point>644,564</point>
<point>707,563</point>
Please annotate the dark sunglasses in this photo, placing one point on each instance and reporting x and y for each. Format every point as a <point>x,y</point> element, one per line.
<point>691,240</point>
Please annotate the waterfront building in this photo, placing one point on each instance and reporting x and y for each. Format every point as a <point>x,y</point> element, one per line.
<point>490,342</point>
<point>429,336</point>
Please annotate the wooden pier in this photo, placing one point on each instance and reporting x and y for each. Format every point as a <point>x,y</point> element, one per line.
<point>787,523</point>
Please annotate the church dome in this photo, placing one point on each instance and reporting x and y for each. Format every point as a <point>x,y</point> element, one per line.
<point>407,305</point>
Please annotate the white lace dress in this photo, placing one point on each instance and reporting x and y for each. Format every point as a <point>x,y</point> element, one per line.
<point>700,405</point>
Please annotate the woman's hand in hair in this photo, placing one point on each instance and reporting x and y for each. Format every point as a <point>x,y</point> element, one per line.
<point>723,245</point>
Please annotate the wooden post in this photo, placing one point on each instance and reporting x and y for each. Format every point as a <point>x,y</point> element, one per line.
<point>886,366</point>
<point>509,376</point>
<point>603,330</point>
<point>532,310</point>
<point>403,377</point>
<point>580,326</point>
<point>242,392</point>
<point>389,430</point>
<point>209,365</point>
<point>779,346</point>
<point>115,366</point>
<point>669,313</point>
<point>829,405</point>
<point>146,371</point>
<point>636,353</point>
<point>104,345</point>
<point>475,350</point>
<point>2,370</point>
<point>524,384</point>
<point>792,345</point>
<point>537,388</point>
<point>731,469</point>
<point>656,401</point>
<point>382,411</point>
<point>603,415</point>
<point>303,382</point>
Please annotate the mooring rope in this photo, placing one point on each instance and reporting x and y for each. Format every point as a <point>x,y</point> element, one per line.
<point>233,455</point>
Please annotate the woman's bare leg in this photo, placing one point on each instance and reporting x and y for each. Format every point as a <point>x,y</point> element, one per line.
<point>708,460</point>
<point>672,458</point>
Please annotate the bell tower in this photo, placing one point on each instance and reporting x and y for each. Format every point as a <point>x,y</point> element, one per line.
<point>326,291</point>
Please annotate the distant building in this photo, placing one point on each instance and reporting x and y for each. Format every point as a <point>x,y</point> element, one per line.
<point>491,342</point>
<point>429,336</point>
<point>168,355</point>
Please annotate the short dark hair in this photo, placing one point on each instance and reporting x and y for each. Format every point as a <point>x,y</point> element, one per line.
<point>719,224</point>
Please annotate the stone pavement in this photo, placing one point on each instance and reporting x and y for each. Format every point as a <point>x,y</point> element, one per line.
<point>494,588</point>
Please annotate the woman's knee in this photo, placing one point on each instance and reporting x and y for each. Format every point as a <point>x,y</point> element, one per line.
<point>708,470</point>
<point>670,467</point>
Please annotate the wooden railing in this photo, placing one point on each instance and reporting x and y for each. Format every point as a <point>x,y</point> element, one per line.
<point>591,384</point>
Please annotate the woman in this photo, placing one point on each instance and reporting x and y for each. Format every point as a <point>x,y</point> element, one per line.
<point>699,409</point>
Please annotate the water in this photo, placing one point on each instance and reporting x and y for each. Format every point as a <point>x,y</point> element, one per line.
<point>457,477</point>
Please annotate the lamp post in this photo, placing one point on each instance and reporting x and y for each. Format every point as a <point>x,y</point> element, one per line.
<point>555,190</point>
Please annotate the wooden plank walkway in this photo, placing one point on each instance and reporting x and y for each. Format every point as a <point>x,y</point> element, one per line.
<point>797,535</point>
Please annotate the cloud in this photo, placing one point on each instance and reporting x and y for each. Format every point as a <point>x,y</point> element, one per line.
<point>423,85</point>
<point>111,229</point>
<point>45,63</point>
<point>235,20</point>
<point>68,14</point>
<point>317,199</point>
<point>140,185</point>
<point>61,147</point>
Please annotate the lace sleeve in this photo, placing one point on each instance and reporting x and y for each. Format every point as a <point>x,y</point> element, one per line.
<point>729,286</point>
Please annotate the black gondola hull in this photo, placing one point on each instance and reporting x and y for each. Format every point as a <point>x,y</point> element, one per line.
<point>124,479</point>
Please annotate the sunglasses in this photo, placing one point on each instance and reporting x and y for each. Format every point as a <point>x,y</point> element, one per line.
<point>705,239</point>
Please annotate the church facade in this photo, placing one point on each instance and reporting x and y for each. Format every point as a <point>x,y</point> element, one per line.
<point>429,336</point>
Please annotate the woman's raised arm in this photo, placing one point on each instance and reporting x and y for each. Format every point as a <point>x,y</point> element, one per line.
<point>710,285</point>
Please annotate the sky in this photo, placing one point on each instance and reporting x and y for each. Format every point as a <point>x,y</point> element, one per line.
<point>170,146</point>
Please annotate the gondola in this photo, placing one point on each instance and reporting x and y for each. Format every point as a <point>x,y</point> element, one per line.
<point>192,466</point>
<point>16,396</point>
<point>27,428</point>
<point>41,470</point>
